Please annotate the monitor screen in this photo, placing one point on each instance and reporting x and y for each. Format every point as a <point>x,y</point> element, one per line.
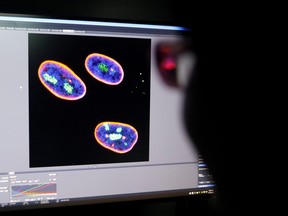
<point>86,116</point>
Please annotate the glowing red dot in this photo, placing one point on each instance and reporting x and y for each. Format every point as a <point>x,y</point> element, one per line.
<point>168,64</point>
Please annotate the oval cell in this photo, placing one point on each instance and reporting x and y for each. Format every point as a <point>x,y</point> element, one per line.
<point>115,136</point>
<point>61,81</point>
<point>104,69</point>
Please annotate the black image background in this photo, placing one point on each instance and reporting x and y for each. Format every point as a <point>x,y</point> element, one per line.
<point>61,131</point>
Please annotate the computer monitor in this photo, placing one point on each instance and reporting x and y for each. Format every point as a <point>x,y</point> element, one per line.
<point>86,116</point>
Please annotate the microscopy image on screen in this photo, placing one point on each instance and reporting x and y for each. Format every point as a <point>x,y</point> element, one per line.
<point>89,99</point>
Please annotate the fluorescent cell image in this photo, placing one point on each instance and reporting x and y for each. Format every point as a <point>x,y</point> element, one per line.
<point>104,69</point>
<point>115,136</point>
<point>95,93</point>
<point>61,81</point>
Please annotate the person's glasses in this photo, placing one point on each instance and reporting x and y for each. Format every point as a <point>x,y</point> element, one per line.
<point>175,62</point>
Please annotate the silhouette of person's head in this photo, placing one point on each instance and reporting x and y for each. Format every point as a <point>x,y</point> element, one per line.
<point>206,109</point>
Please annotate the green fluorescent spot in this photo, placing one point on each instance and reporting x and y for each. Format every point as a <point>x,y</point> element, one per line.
<point>115,136</point>
<point>103,67</point>
<point>49,78</point>
<point>68,88</point>
<point>106,127</point>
